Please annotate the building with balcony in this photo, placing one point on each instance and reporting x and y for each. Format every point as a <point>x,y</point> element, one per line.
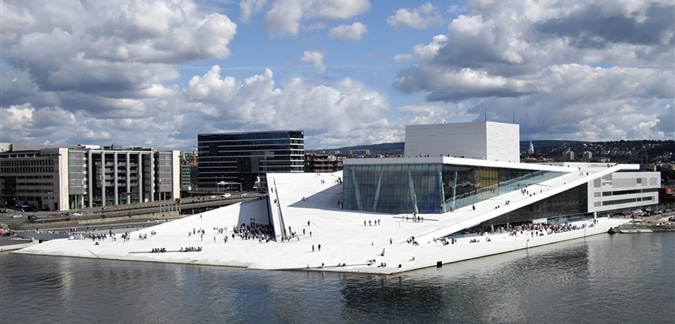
<point>36,177</point>
<point>322,163</point>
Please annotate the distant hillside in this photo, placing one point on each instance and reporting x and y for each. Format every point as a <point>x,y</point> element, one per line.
<point>375,149</point>
<point>541,145</point>
<point>398,148</point>
<point>641,151</point>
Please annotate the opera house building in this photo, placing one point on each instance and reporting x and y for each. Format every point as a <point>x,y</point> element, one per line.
<point>459,193</point>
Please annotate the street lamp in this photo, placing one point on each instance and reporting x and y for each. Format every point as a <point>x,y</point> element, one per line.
<point>219,183</point>
<point>50,197</point>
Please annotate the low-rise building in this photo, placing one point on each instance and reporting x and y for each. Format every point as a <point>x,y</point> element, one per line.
<point>38,177</point>
<point>322,163</point>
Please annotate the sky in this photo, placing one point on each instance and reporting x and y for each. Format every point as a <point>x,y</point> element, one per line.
<point>155,73</point>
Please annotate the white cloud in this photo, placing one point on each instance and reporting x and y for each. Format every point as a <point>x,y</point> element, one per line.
<point>211,88</point>
<point>590,103</point>
<point>433,112</point>
<point>542,66</point>
<point>112,46</point>
<point>17,117</point>
<point>403,57</point>
<point>352,32</point>
<point>152,73</point>
<point>250,7</point>
<point>286,16</point>
<point>341,113</point>
<point>90,69</point>
<point>427,53</point>
<point>314,58</point>
<point>422,17</point>
<point>665,121</point>
<point>24,123</point>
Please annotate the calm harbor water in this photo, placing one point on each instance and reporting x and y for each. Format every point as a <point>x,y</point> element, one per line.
<point>602,279</point>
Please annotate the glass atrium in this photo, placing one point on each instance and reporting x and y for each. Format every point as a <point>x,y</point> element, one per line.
<point>429,188</point>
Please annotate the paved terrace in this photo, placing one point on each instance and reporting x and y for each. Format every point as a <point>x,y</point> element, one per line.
<point>309,203</point>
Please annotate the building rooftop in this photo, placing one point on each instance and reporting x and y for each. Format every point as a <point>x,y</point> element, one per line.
<point>308,204</point>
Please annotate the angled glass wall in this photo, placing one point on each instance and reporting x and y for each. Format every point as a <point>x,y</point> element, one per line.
<point>429,188</point>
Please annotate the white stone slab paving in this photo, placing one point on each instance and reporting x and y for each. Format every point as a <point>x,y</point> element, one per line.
<point>341,234</point>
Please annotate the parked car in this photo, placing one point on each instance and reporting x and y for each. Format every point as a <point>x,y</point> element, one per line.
<point>77,213</point>
<point>53,215</point>
<point>212,197</point>
<point>17,216</point>
<point>227,195</point>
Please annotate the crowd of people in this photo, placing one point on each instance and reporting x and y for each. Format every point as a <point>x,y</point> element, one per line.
<point>98,236</point>
<point>531,229</point>
<point>445,241</point>
<point>371,222</point>
<point>253,231</point>
<point>411,240</point>
<point>415,218</point>
<point>545,229</point>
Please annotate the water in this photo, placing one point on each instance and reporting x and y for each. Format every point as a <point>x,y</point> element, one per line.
<point>602,279</point>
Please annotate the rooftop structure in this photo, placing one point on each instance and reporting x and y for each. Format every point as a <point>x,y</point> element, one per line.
<point>306,229</point>
<point>392,215</point>
<point>485,140</point>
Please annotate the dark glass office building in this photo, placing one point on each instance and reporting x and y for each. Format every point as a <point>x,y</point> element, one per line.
<point>239,161</point>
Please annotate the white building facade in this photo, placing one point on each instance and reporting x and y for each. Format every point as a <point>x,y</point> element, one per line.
<point>485,141</point>
<point>623,190</point>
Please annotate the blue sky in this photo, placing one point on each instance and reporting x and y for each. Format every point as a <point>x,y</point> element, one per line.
<point>156,73</point>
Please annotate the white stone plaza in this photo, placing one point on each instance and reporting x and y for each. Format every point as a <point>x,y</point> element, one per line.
<point>327,237</point>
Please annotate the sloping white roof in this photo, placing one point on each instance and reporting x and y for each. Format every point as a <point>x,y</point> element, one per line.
<point>308,204</point>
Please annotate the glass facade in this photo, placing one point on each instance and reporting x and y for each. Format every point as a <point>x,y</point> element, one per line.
<point>243,158</point>
<point>429,188</point>
<point>569,203</point>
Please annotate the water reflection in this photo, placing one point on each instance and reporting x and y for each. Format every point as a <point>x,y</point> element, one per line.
<point>601,279</point>
<point>505,288</point>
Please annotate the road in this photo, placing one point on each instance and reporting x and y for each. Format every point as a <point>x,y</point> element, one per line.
<point>153,210</point>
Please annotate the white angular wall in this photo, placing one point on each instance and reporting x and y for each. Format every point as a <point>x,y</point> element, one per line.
<point>621,190</point>
<point>503,142</point>
<point>484,140</point>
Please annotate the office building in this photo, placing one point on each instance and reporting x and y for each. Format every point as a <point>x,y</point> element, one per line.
<point>393,215</point>
<point>36,177</point>
<point>239,161</point>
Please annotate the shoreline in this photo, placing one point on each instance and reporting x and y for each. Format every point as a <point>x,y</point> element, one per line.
<point>320,234</point>
<point>650,224</point>
<point>426,255</point>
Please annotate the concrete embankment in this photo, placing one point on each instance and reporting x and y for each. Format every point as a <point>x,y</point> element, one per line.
<point>10,243</point>
<point>99,222</point>
<point>646,225</point>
